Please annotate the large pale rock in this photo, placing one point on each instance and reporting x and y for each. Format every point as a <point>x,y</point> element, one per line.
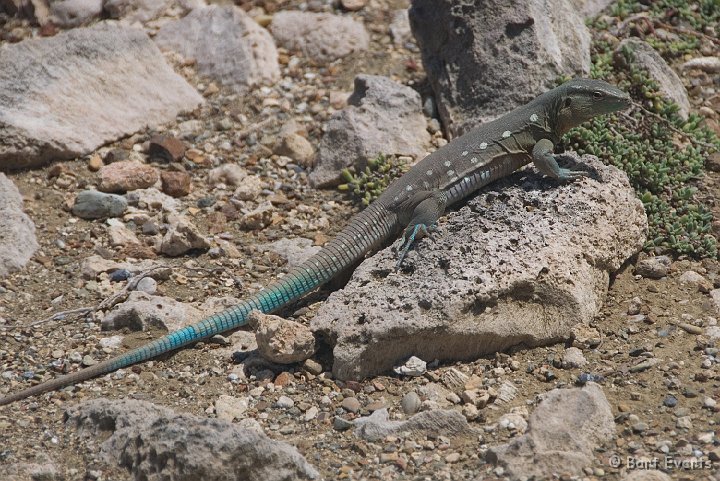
<point>520,264</point>
<point>438,422</point>
<point>71,13</point>
<point>17,230</point>
<point>89,86</point>
<point>382,117</point>
<point>485,58</point>
<point>154,443</point>
<point>281,340</point>
<point>227,45</point>
<point>641,55</point>
<point>323,37</point>
<point>142,311</point>
<point>563,432</point>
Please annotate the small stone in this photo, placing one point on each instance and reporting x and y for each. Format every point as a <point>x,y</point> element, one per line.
<point>684,422</point>
<point>167,148</point>
<point>635,306</point>
<point>353,5</point>
<point>175,183</point>
<point>147,284</point>
<point>95,163</point>
<point>230,408</point>
<point>181,237</point>
<point>410,403</point>
<point>284,402</point>
<point>639,427</point>
<point>709,403</point>
<point>477,397</point>
<point>280,340</point>
<point>412,367</point>
<point>313,367</point>
<point>452,458</point>
<point>120,177</point>
<point>228,174</point>
<point>88,360</point>
<point>249,189</point>
<point>296,147</point>
<point>653,267</point>
<point>351,404</point>
<point>91,204</point>
<point>573,358</point>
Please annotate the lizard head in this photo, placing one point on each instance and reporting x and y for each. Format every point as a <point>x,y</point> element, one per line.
<point>580,100</point>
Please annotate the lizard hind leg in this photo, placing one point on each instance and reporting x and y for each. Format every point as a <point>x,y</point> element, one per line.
<point>422,223</point>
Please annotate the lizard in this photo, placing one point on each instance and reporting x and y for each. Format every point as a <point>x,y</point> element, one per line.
<point>411,204</point>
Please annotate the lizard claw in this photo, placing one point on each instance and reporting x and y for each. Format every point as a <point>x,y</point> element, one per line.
<point>409,237</point>
<point>567,174</point>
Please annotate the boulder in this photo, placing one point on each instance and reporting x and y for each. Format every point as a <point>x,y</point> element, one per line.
<point>382,117</point>
<point>519,264</point>
<point>485,58</point>
<point>227,45</point>
<point>90,86</point>
<point>17,231</point>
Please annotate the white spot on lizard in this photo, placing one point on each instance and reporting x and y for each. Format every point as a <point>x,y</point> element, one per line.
<point>447,163</point>
<point>483,145</point>
<point>506,134</point>
<point>429,172</point>
<point>408,188</point>
<point>474,160</point>
<point>533,118</point>
<point>465,152</point>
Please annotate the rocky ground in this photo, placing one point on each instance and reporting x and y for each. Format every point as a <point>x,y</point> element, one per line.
<point>648,361</point>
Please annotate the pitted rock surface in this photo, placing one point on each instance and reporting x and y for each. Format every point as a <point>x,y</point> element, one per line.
<point>519,264</point>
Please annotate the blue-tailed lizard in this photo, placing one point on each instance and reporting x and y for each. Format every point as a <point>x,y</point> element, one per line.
<point>412,203</point>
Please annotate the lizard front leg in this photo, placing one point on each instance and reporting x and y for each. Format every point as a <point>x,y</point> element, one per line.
<point>544,160</point>
<point>423,220</point>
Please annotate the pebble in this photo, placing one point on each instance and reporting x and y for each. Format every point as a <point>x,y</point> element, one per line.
<point>684,422</point>
<point>653,267</point>
<point>120,275</point>
<point>91,204</point>
<point>412,367</point>
<point>351,404</point>
<point>175,183</point>
<point>410,403</point>
<point>147,284</point>
<point>167,148</point>
<point>313,367</point>
<point>709,403</point>
<point>127,175</point>
<point>670,401</point>
<point>284,402</point>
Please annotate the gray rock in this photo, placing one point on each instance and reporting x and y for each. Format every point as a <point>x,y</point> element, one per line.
<point>181,237</point>
<point>434,423</point>
<point>280,340</point>
<point>322,37</point>
<point>135,10</point>
<point>400,27</point>
<point>17,230</point>
<point>646,475</point>
<point>572,358</point>
<point>71,13</point>
<point>63,79</point>
<point>91,204</point>
<point>142,311</point>
<point>562,434</point>
<point>486,58</point>
<point>382,117</point>
<point>295,249</point>
<point>641,55</point>
<point>227,45</point>
<point>410,403</point>
<point>155,444</point>
<point>498,275</point>
<point>590,8</point>
<point>43,469</point>
<point>653,267</point>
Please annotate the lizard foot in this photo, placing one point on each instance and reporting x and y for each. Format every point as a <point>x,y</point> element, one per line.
<point>411,234</point>
<point>567,174</point>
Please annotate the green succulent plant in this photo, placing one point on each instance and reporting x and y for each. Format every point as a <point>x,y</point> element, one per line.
<point>367,185</point>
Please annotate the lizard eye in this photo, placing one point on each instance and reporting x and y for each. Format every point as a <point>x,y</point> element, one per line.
<point>597,95</point>
<point>568,101</point>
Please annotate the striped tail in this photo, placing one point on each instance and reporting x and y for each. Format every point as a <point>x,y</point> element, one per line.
<point>365,232</point>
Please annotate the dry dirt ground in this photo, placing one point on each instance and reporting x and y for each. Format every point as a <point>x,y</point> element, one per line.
<point>191,380</point>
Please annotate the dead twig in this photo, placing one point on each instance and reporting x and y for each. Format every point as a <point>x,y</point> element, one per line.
<point>104,304</point>
<point>675,129</point>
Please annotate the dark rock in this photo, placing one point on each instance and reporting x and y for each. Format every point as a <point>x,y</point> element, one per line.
<point>91,204</point>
